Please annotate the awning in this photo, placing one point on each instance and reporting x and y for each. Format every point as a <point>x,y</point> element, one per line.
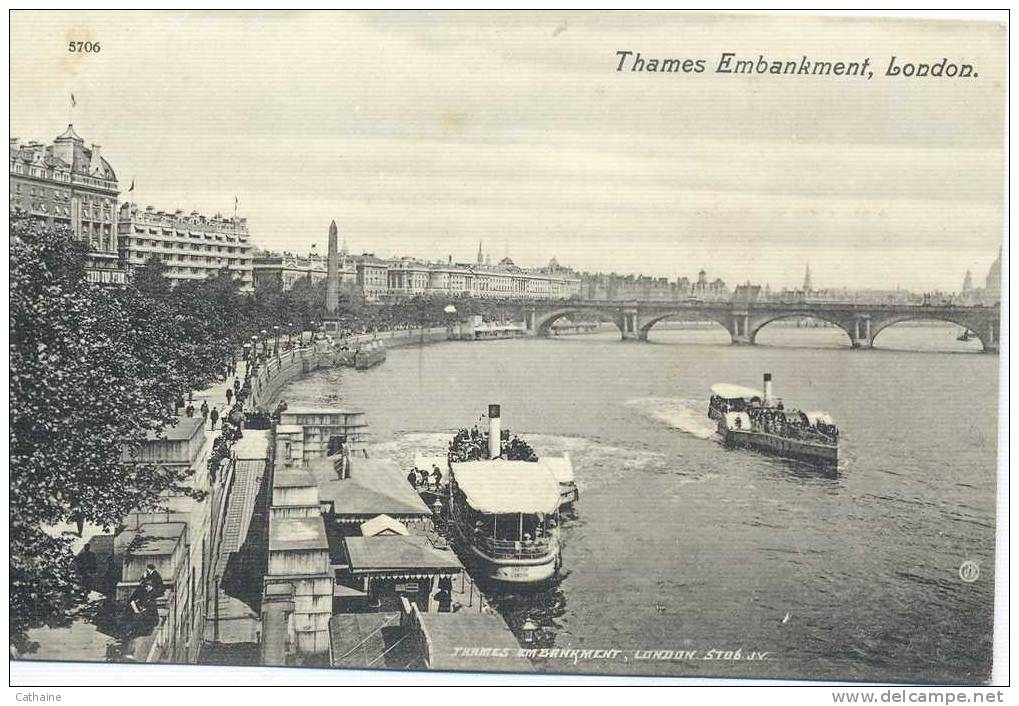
<point>505,487</point>
<point>397,556</point>
<point>560,466</point>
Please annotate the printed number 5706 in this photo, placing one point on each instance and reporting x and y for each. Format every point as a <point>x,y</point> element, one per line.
<point>86,47</point>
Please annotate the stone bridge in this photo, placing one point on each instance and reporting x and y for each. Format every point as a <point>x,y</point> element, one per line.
<point>861,322</point>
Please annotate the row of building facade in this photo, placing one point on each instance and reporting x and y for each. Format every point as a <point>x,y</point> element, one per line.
<point>70,184</point>
<point>391,279</point>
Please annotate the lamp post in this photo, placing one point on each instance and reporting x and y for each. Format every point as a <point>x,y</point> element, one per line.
<point>529,629</point>
<point>450,312</point>
<point>276,341</point>
<point>254,348</point>
<point>265,342</point>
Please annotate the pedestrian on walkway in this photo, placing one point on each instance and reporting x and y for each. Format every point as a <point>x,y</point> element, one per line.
<point>205,411</point>
<point>237,384</point>
<point>229,395</point>
<point>214,416</point>
<point>190,410</point>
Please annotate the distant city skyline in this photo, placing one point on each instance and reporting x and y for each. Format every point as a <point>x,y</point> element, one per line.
<point>422,134</point>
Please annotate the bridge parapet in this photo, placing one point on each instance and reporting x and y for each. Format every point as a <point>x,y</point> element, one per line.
<point>862,323</point>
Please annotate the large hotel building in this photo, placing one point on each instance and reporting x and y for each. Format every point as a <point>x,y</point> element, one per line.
<point>67,183</point>
<point>191,245</point>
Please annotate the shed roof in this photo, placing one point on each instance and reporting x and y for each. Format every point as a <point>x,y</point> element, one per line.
<point>445,632</point>
<point>151,539</point>
<point>382,523</point>
<point>398,556</point>
<point>293,479</point>
<point>297,533</point>
<point>501,486</point>
<point>183,429</point>
<point>374,487</point>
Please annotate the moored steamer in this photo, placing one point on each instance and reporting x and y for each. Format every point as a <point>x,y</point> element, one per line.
<point>504,506</point>
<point>754,420</point>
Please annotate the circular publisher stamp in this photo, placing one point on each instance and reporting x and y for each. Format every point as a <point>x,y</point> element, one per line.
<point>969,571</point>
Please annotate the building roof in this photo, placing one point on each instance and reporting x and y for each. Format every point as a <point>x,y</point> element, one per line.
<point>398,556</point>
<point>374,487</point>
<point>445,632</point>
<point>151,539</point>
<point>381,524</point>
<point>184,428</point>
<point>288,534</point>
<point>293,479</point>
<point>501,486</point>
<point>69,134</point>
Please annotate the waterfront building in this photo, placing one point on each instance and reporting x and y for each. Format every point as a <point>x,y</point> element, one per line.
<point>372,277</point>
<point>191,245</point>
<point>287,269</point>
<point>66,183</point>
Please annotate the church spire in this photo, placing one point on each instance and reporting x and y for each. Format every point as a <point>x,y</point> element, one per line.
<point>807,286</point>
<point>481,257</point>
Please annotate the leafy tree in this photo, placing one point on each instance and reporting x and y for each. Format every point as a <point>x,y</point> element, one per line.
<point>92,368</point>
<point>150,279</point>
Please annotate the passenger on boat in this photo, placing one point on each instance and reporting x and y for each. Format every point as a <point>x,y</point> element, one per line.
<point>412,477</point>
<point>436,476</point>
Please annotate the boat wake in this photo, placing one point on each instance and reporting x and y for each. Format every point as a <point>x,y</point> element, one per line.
<point>687,415</point>
<point>595,463</point>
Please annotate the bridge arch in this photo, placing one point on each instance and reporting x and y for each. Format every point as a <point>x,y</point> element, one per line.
<point>978,331</point>
<point>646,324</point>
<point>758,323</point>
<point>543,320</point>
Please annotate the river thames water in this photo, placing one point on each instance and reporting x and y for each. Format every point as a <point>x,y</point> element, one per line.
<point>679,544</point>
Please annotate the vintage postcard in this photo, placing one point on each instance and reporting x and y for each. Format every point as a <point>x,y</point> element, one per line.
<point>641,344</point>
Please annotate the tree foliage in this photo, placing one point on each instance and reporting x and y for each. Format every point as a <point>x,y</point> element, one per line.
<point>95,370</point>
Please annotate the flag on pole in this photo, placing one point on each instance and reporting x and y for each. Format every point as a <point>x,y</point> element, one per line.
<point>73,102</point>
<point>132,185</point>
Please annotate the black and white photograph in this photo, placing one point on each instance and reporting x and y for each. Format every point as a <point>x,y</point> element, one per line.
<point>636,345</point>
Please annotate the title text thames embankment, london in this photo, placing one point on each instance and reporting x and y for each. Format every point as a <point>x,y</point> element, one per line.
<point>762,65</point>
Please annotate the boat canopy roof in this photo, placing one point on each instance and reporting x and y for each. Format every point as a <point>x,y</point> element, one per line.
<point>818,416</point>
<point>561,467</point>
<point>734,392</point>
<point>503,487</point>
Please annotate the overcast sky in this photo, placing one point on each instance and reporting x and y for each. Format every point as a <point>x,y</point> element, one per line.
<point>422,134</point>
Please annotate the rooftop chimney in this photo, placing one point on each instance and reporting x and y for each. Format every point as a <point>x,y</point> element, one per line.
<point>768,399</point>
